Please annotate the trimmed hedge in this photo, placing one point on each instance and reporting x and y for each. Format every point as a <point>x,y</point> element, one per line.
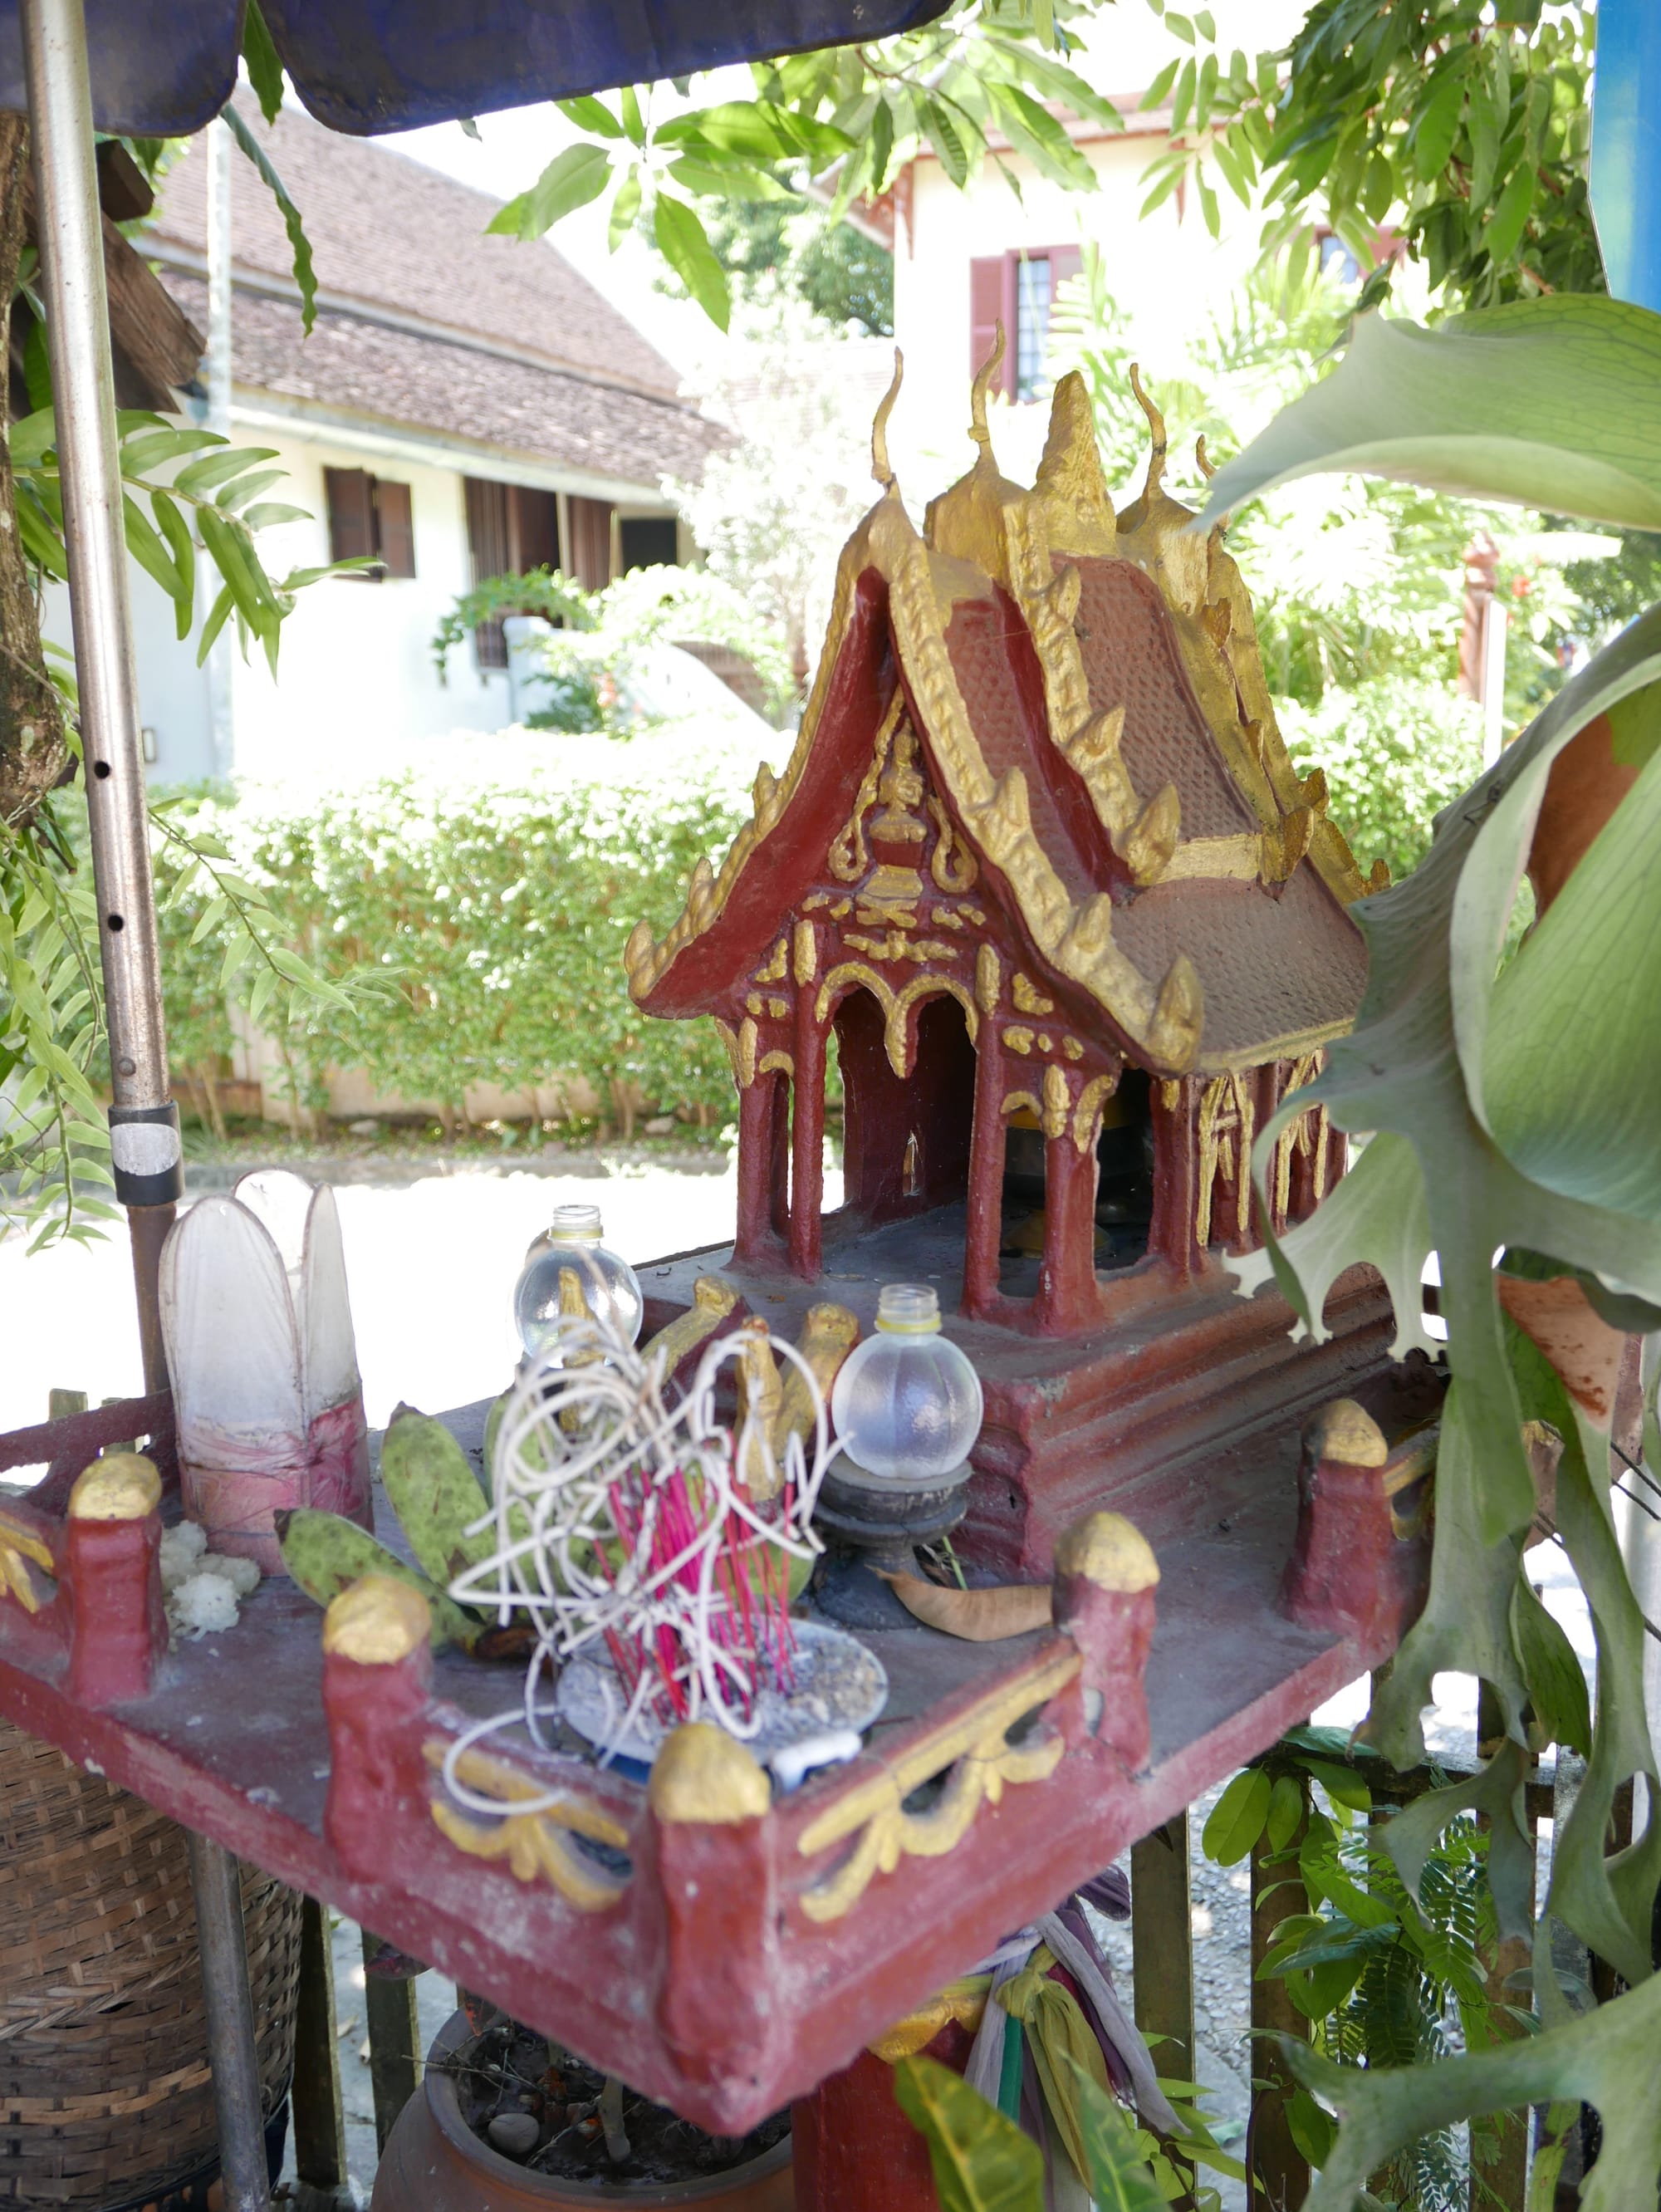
<point>478,910</point>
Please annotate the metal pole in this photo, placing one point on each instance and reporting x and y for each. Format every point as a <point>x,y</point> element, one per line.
<point>143,1120</point>
<point>221,668</point>
<point>217,1885</point>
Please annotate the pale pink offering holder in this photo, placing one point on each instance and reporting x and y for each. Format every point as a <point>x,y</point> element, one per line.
<point>266,1393</point>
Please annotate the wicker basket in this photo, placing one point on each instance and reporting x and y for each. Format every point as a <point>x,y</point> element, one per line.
<point>106,2096</point>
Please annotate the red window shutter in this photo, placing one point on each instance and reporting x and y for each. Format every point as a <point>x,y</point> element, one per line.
<point>986,310</point>
<point>395,527</point>
<point>1065,261</point>
<point>350,493</point>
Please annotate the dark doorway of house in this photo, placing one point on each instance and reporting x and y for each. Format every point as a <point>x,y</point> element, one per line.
<point>647,541</point>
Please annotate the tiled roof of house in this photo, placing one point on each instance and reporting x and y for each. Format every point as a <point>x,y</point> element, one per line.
<point>516,348</point>
<point>428,383</point>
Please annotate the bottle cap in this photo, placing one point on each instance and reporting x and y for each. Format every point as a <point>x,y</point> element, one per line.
<point>575,1224</point>
<point>908,1310</point>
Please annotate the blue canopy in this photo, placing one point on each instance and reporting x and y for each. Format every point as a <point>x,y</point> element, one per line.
<point>1626,149</point>
<point>165,67</point>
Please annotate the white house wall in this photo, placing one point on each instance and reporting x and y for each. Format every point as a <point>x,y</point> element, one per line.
<point>1163,271</point>
<point>357,681</point>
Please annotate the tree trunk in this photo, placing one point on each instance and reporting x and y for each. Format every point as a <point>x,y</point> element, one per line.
<point>34,751</point>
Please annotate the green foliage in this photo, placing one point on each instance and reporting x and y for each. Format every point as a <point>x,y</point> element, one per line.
<point>1454,1062</point>
<point>1120,2177</point>
<point>1533,403</point>
<point>670,601</point>
<point>988,76</point>
<point>1464,138</point>
<point>1394,752</point>
<point>294,223</point>
<point>1385,1964</point>
<point>981,2162</point>
<point>53,1139</point>
<point>487,915</point>
<point>786,245</point>
<point>221,489</point>
<point>586,662</point>
<point>544,591</point>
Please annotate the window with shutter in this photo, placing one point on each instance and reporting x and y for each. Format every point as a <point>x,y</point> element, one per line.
<point>987,308</point>
<point>1018,289</point>
<point>350,496</point>
<point>395,530</point>
<point>590,542</point>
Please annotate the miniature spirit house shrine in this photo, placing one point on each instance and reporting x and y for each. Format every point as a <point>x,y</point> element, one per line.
<point>1041,873</point>
<point>1041,866</point>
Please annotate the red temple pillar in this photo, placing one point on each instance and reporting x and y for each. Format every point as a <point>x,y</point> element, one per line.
<point>1067,1298</point>
<point>755,1238</point>
<point>807,1139</point>
<point>1176,1172</point>
<point>984,1232</point>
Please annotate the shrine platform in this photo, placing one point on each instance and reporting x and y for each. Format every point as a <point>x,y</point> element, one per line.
<point>725,1960</point>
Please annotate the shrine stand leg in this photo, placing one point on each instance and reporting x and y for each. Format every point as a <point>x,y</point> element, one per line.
<point>216,1885</point>
<point>1277,2171</point>
<point>1163,1949</point>
<point>319,2121</point>
<point>855,2150</point>
<point>391,2015</point>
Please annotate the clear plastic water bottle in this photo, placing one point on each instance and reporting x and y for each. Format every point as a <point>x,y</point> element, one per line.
<point>908,1403</point>
<point>569,1271</point>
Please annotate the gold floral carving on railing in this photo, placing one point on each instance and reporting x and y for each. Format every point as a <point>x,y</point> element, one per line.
<point>18,1545</point>
<point>537,1845</point>
<point>983,1763</point>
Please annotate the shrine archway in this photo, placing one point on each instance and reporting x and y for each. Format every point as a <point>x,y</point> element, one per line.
<point>905,1137</point>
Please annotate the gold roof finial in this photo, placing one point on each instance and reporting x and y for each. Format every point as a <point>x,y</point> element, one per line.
<point>880,466</point>
<point>1156,429</point>
<point>1208,469</point>
<point>983,375</point>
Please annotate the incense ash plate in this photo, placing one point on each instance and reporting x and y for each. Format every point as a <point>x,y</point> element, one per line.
<point>835,1684</point>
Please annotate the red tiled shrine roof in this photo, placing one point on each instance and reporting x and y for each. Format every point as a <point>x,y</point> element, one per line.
<point>1088,704</point>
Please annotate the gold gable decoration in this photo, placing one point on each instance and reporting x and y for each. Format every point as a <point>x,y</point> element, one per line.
<point>986,526</point>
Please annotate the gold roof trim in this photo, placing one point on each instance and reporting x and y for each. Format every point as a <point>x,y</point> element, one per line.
<point>986,526</point>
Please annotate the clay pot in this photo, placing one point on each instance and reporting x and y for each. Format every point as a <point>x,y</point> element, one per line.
<point>433,2162</point>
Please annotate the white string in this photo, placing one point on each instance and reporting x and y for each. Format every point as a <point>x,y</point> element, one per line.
<point>588,1419</point>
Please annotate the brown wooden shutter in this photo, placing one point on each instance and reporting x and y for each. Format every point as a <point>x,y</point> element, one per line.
<point>487,527</point>
<point>395,527</point>
<point>590,542</point>
<point>351,495</point>
<point>985,309</point>
<point>538,516</point>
